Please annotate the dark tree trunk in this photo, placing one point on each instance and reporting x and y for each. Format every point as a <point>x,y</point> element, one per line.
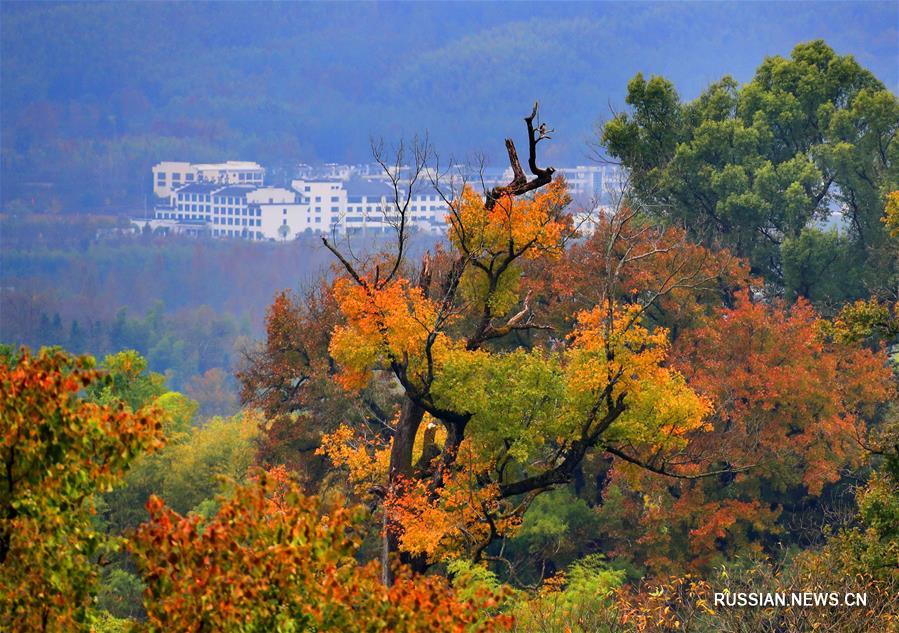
<point>400,467</point>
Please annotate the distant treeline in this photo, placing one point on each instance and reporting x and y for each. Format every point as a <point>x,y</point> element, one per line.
<point>93,94</point>
<point>187,305</point>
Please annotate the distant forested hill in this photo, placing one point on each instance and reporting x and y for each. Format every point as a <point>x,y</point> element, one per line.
<point>93,94</point>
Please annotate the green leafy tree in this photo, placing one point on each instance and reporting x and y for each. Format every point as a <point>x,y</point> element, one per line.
<point>754,166</point>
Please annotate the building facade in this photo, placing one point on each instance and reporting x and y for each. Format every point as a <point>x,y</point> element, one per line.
<point>171,175</point>
<point>230,200</point>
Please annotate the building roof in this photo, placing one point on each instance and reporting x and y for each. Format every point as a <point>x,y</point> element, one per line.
<point>198,187</point>
<point>231,164</point>
<point>234,190</point>
<point>369,188</point>
<point>320,181</point>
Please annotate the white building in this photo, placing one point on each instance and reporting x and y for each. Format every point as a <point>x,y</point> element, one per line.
<point>362,206</point>
<point>170,175</point>
<point>229,200</point>
<point>279,214</point>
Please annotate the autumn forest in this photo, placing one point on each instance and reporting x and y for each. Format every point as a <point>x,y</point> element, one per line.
<point>555,418</point>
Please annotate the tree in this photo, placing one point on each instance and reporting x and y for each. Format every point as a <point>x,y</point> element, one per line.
<point>891,214</point>
<point>212,391</point>
<point>269,560</point>
<point>494,413</point>
<point>790,416</point>
<point>751,167</point>
<point>58,451</point>
<point>127,381</point>
<point>291,380</point>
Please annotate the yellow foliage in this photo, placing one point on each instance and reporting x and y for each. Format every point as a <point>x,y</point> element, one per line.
<point>533,224</point>
<point>367,461</point>
<point>891,214</point>
<point>611,345</point>
<point>383,325</point>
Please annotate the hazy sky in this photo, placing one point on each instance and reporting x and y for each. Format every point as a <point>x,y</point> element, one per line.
<point>314,80</point>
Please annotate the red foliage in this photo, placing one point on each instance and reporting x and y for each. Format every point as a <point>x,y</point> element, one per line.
<point>269,559</point>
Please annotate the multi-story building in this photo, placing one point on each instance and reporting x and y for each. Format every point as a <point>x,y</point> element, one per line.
<point>229,200</point>
<point>170,175</point>
<point>279,214</point>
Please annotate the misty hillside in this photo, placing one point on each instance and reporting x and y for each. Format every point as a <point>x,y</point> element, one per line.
<point>94,94</point>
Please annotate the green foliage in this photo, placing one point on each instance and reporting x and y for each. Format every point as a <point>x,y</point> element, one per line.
<point>592,578</point>
<point>188,471</point>
<point>820,265</point>
<point>120,595</point>
<point>752,167</point>
<point>557,528</point>
<point>105,622</point>
<point>581,600</point>
<point>128,381</point>
<point>193,470</point>
<point>517,395</point>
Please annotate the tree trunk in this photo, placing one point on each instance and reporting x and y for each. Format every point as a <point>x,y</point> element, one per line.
<point>400,467</point>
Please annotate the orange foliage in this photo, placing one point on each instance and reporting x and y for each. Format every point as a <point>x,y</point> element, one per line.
<point>786,396</point>
<point>268,560</point>
<point>533,226</point>
<point>678,603</point>
<point>453,519</point>
<point>57,452</point>
<point>365,460</point>
<point>384,325</point>
<point>628,258</point>
<point>789,411</point>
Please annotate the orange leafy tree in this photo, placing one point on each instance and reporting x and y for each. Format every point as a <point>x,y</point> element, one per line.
<point>57,452</point>
<point>635,260</point>
<point>269,560</point>
<point>518,404</point>
<point>291,379</point>
<point>790,412</point>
